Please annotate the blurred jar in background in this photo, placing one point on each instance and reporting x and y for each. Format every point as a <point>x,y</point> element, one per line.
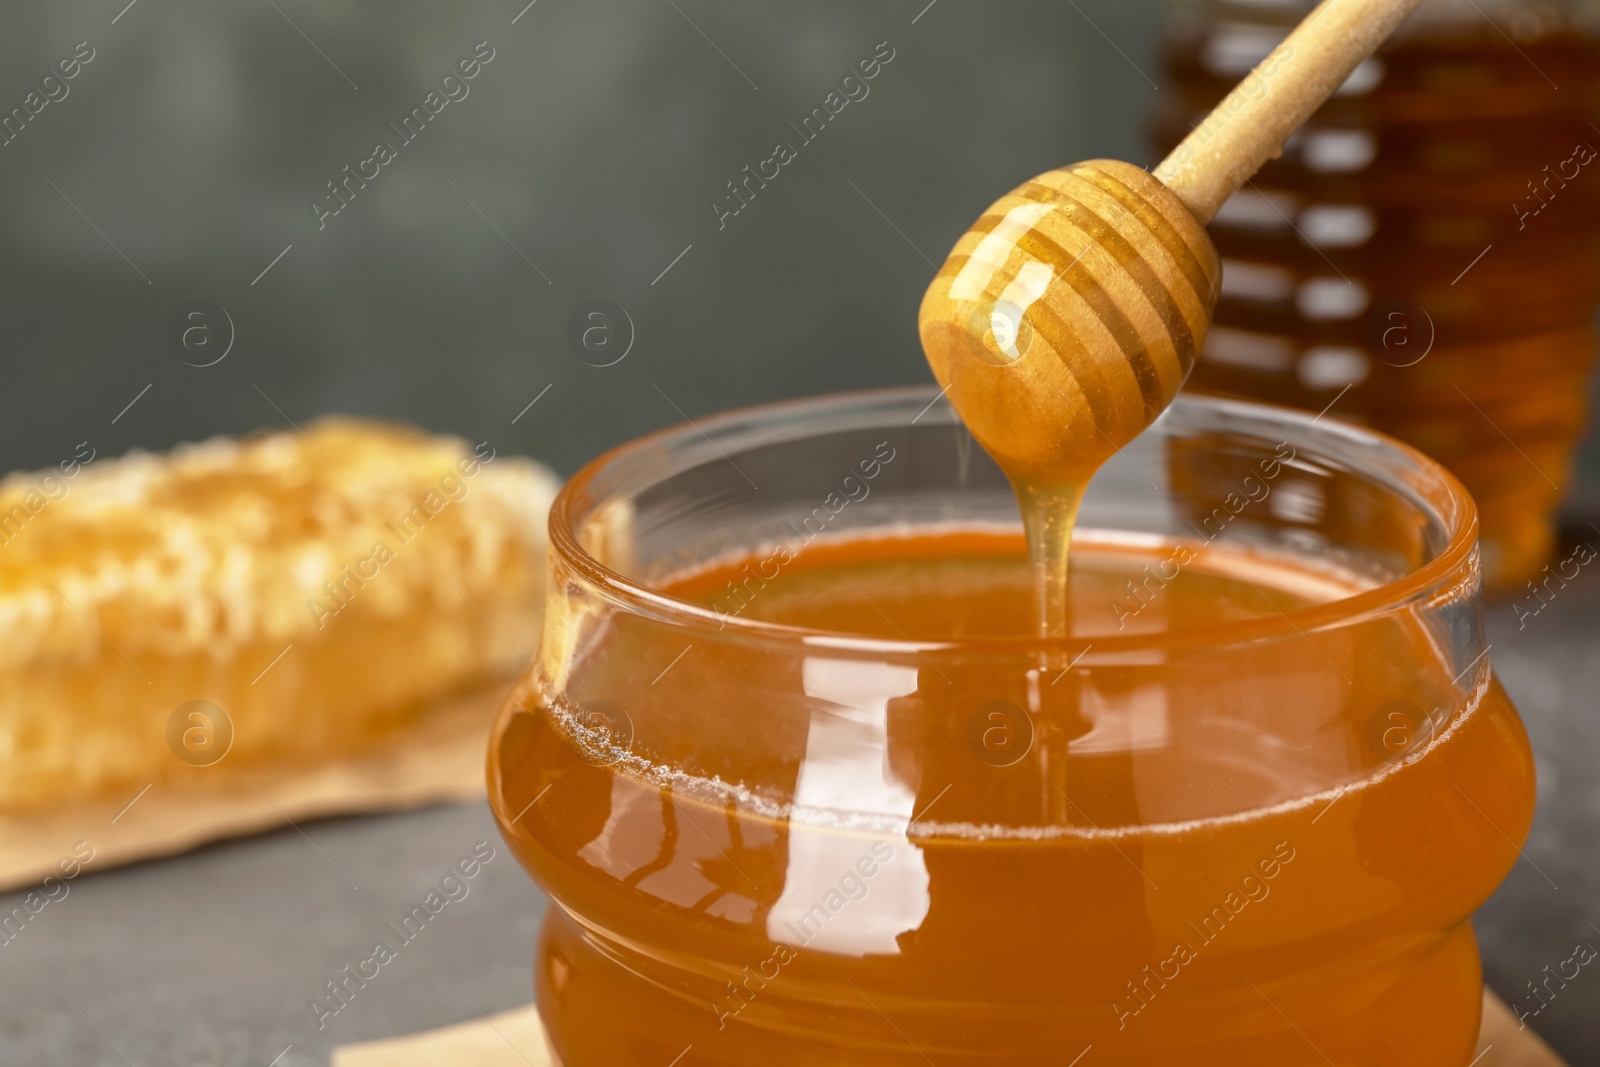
<point>1428,240</point>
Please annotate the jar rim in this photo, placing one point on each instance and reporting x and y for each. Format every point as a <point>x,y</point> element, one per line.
<point>1429,484</point>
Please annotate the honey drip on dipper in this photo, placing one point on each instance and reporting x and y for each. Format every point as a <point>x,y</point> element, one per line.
<point>1068,317</point>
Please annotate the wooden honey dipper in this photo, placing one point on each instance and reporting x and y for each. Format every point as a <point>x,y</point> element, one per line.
<point>1067,318</point>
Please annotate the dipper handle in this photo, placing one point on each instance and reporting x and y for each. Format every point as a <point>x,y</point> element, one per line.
<point>1250,125</point>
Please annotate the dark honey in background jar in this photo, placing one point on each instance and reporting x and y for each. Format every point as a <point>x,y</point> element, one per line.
<point>1428,240</point>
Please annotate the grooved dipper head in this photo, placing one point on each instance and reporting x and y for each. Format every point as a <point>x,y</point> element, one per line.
<point>1066,319</point>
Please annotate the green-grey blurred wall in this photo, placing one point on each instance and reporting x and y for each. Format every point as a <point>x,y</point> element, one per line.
<point>581,160</point>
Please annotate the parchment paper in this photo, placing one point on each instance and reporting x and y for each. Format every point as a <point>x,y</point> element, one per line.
<point>440,758</point>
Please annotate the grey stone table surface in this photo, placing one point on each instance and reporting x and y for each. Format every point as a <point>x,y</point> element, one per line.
<point>1550,664</point>
<point>212,958</point>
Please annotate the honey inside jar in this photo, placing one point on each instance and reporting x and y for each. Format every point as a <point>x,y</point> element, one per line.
<point>865,821</point>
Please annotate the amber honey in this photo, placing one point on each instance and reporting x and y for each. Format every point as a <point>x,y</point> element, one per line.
<point>1425,250</point>
<point>956,857</point>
